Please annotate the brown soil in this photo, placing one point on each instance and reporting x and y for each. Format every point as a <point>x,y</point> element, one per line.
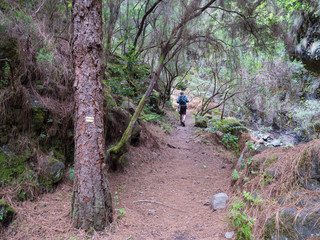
<point>164,191</point>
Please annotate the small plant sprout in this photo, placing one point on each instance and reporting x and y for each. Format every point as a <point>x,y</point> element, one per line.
<point>121,211</point>
<point>235,175</point>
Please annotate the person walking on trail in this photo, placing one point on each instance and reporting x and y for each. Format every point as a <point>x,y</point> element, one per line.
<point>182,100</point>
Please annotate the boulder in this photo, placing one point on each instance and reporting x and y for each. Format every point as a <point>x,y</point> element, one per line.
<point>201,123</point>
<point>6,213</point>
<point>294,225</point>
<point>219,201</point>
<point>50,171</point>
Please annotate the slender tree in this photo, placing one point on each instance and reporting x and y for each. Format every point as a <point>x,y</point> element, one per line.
<point>91,201</point>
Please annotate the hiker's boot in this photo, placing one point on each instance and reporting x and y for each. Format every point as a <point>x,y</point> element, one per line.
<point>183,123</point>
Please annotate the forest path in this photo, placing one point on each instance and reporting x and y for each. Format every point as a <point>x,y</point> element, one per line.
<point>167,196</point>
<point>163,193</point>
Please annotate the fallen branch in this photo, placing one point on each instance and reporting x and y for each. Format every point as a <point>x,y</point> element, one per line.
<point>152,201</point>
<point>238,165</point>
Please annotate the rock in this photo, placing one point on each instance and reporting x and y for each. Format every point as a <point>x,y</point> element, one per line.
<point>265,137</point>
<point>201,123</point>
<point>229,235</point>
<point>50,171</point>
<point>308,168</point>
<point>206,203</point>
<point>129,105</point>
<point>152,212</point>
<point>219,201</point>
<point>6,213</point>
<point>294,225</point>
<point>276,143</point>
<point>308,49</point>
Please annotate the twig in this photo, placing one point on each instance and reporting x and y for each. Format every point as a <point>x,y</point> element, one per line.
<point>238,165</point>
<point>41,5</point>
<point>152,201</point>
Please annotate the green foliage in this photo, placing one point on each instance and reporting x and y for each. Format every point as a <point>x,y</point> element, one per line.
<point>251,199</point>
<point>235,175</point>
<point>231,142</point>
<point>121,211</point>
<point>228,125</point>
<point>182,85</point>
<point>71,172</point>
<point>45,56</point>
<point>166,127</point>
<point>152,116</point>
<point>125,76</point>
<point>240,220</point>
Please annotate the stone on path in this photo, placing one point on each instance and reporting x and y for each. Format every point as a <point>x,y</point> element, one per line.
<point>229,235</point>
<point>219,201</point>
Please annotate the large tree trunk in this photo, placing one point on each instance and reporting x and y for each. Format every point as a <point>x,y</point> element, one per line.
<point>91,201</point>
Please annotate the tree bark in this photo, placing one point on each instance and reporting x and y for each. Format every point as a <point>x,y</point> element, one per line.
<point>91,201</point>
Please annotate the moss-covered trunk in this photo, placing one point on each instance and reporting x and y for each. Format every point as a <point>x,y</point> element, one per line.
<point>115,153</point>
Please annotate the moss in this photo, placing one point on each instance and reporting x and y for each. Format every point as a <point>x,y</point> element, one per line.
<point>12,166</point>
<point>201,123</point>
<point>38,119</point>
<point>6,213</point>
<point>51,173</point>
<point>271,160</point>
<point>267,180</point>
<point>286,229</point>
<point>58,155</point>
<point>305,159</point>
<point>111,103</point>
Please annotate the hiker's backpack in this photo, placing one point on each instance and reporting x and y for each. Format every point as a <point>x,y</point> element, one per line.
<point>182,101</point>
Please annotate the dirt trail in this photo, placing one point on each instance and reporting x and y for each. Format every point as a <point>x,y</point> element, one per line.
<point>174,190</point>
<point>164,193</point>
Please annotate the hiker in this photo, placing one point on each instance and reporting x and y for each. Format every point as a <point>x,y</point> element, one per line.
<point>182,100</point>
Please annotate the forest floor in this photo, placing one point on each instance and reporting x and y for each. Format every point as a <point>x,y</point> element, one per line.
<point>163,193</point>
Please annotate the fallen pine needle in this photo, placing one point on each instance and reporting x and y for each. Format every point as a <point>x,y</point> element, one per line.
<point>162,204</point>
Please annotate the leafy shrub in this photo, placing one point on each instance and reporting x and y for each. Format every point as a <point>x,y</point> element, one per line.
<point>240,219</point>
<point>231,142</point>
<point>152,116</point>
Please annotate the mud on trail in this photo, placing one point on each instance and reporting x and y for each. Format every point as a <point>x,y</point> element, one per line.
<point>163,193</point>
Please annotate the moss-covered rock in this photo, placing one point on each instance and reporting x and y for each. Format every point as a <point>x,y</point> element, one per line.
<point>201,123</point>
<point>309,168</point>
<point>38,119</point>
<point>6,213</point>
<point>293,225</point>
<point>12,166</point>
<point>129,105</point>
<point>50,171</point>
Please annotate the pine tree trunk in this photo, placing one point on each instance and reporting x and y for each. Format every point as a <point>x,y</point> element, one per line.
<point>91,201</point>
